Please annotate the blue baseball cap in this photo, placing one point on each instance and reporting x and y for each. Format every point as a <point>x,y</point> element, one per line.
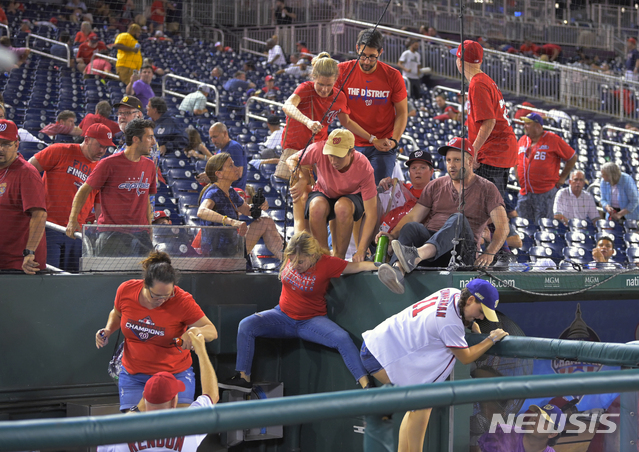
<point>533,117</point>
<point>553,414</point>
<point>487,295</point>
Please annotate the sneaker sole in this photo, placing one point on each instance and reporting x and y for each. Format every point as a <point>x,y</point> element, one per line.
<point>387,276</point>
<point>397,249</point>
<point>235,388</point>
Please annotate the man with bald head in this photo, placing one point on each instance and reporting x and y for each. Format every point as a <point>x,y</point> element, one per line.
<point>574,202</point>
<point>219,135</point>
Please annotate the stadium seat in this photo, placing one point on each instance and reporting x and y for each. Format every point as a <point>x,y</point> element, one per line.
<point>546,251</point>
<point>581,225</point>
<point>579,239</point>
<point>552,225</point>
<point>578,255</point>
<point>177,173</point>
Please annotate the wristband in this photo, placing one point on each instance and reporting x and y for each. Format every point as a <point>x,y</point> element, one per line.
<point>491,338</point>
<point>372,138</point>
<point>224,220</point>
<point>394,141</point>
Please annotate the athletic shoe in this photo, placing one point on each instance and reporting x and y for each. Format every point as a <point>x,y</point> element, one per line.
<point>237,383</point>
<point>407,255</point>
<point>392,278</point>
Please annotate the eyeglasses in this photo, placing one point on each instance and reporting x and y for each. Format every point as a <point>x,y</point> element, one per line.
<point>126,113</point>
<point>161,297</point>
<point>7,145</point>
<point>371,58</point>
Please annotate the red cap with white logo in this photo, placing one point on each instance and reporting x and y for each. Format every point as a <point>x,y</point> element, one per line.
<point>456,145</point>
<point>101,133</point>
<point>8,130</point>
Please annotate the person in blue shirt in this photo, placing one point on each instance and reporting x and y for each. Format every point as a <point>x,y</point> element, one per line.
<point>619,195</point>
<point>140,85</point>
<point>219,135</point>
<point>60,50</point>
<point>238,82</point>
<point>170,135</point>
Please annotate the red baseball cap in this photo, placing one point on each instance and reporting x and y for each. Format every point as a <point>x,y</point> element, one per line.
<point>160,214</point>
<point>473,52</point>
<point>93,37</point>
<point>162,387</point>
<point>269,77</point>
<point>633,40</point>
<point>101,133</point>
<point>8,130</point>
<point>456,144</point>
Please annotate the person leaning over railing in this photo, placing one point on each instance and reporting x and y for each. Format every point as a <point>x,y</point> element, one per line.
<point>306,272</point>
<point>619,196</point>
<point>153,312</point>
<point>222,205</point>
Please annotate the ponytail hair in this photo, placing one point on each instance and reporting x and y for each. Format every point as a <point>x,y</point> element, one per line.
<point>213,165</point>
<point>157,267</point>
<point>324,66</point>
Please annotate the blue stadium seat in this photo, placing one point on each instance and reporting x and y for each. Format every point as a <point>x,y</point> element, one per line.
<point>177,173</point>
<point>182,185</point>
<point>552,225</point>
<point>581,225</point>
<point>579,239</point>
<point>578,255</point>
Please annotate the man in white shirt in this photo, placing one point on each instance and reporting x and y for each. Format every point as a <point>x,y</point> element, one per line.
<point>574,202</point>
<point>410,62</point>
<point>161,393</point>
<point>275,53</point>
<point>420,344</point>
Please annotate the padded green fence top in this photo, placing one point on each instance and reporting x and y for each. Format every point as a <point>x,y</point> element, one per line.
<point>75,432</point>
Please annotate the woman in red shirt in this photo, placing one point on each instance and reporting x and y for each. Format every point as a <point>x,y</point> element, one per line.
<point>306,273</point>
<point>307,114</point>
<point>153,313</point>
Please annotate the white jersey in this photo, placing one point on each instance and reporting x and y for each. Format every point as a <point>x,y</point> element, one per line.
<point>413,346</point>
<point>180,443</point>
<point>411,61</point>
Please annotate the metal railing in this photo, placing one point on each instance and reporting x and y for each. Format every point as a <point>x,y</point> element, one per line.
<point>7,29</point>
<point>248,114</point>
<point>626,132</point>
<point>566,121</point>
<point>519,75</point>
<point>101,56</point>
<point>34,37</point>
<point>165,91</point>
<point>255,41</point>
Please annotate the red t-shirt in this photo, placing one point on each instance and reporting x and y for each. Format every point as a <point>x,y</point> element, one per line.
<point>65,170</point>
<point>80,37</point>
<point>92,118</point>
<point>531,48</point>
<point>372,97</point>
<point>487,102</point>
<point>296,134</point>
<point>158,18</point>
<point>549,49</point>
<point>358,178</point>
<point>149,333</point>
<point>21,189</point>
<point>3,16</point>
<point>538,166</point>
<point>124,187</point>
<point>524,111</point>
<point>303,294</point>
<point>85,51</point>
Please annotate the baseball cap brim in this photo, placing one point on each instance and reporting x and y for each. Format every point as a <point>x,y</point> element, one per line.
<point>453,51</point>
<point>490,314</point>
<point>559,421</point>
<point>105,142</point>
<point>339,152</point>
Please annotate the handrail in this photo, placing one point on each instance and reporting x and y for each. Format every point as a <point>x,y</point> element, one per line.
<point>619,129</point>
<point>411,139</point>
<point>215,105</point>
<point>48,55</point>
<point>246,49</point>
<point>294,410</point>
<point>98,71</point>
<point>539,110</point>
<point>6,27</point>
<point>248,115</point>
<point>62,229</point>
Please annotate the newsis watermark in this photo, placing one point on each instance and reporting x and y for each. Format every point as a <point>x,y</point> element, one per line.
<point>575,423</point>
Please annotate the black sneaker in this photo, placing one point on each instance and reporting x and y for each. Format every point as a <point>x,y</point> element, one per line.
<point>237,383</point>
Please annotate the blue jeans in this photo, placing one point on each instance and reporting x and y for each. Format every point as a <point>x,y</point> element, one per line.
<point>533,205</point>
<point>416,234</point>
<point>382,162</point>
<point>274,323</point>
<point>368,360</point>
<point>63,252</point>
<point>131,387</point>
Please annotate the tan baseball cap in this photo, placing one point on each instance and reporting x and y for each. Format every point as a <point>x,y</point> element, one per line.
<point>339,142</point>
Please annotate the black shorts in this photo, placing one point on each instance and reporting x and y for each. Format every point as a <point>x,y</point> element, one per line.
<point>356,199</point>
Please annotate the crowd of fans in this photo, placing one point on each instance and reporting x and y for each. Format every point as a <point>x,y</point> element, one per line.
<point>346,185</point>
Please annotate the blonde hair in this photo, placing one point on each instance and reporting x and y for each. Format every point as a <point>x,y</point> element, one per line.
<point>213,165</point>
<point>612,170</point>
<point>302,243</point>
<point>324,66</point>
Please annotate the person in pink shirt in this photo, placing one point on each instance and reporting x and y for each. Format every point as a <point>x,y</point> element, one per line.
<point>345,191</point>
